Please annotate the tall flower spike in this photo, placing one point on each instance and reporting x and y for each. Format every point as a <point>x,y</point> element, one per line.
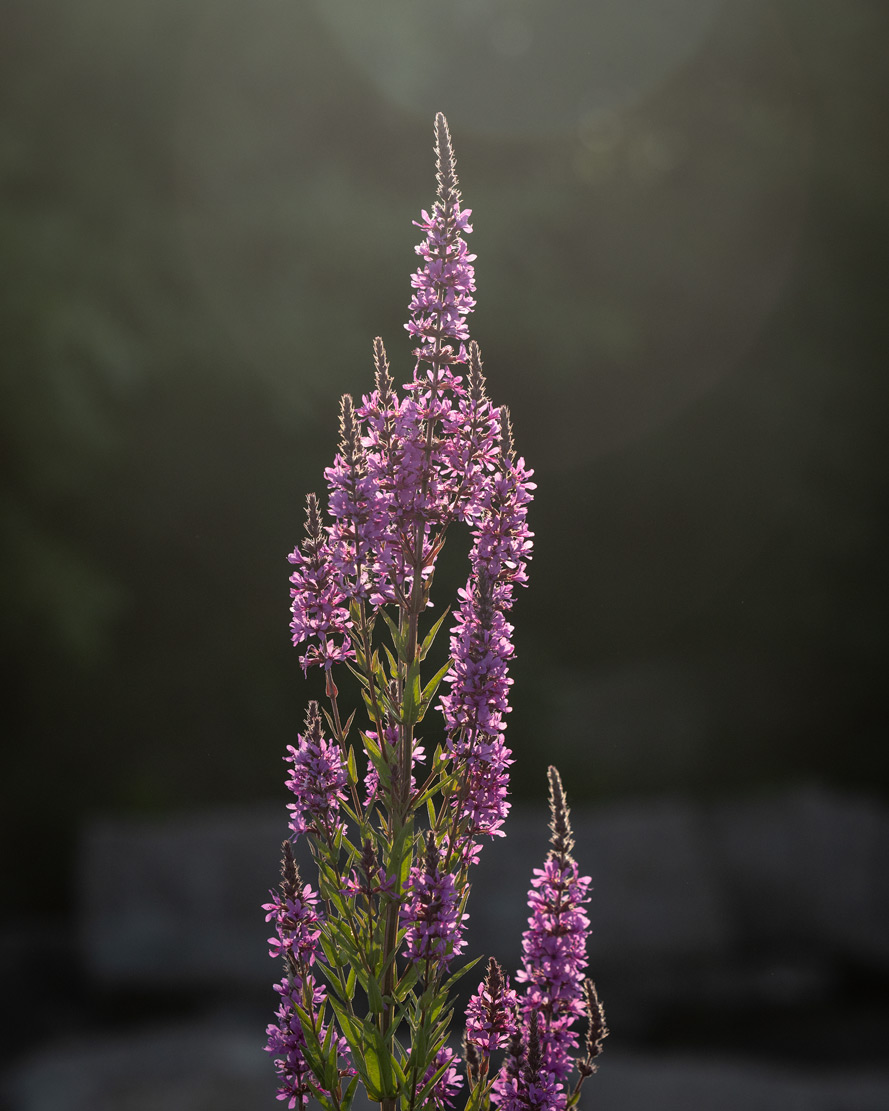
<point>444,286</point>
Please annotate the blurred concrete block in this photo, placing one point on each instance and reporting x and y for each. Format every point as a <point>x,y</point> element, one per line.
<point>806,870</point>
<point>177,902</point>
<point>655,896</point>
<point>675,889</point>
<point>686,1083</point>
<point>216,1067</point>
<point>182,1068</point>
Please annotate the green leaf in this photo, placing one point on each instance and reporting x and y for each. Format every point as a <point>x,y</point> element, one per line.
<point>431,687</point>
<point>455,976</point>
<point>349,1094</point>
<point>431,635</point>
<point>399,641</point>
<point>397,853</point>
<point>407,981</point>
<point>410,710</point>
<point>374,996</point>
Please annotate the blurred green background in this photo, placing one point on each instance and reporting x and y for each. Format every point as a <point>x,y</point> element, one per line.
<point>682,224</point>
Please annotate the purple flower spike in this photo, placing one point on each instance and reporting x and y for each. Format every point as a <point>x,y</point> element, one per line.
<point>319,606</point>
<point>318,781</point>
<point>431,911</point>
<point>554,945</point>
<point>481,649</point>
<point>491,1012</point>
<point>525,1082</point>
<point>444,285</point>
<point>298,927</point>
<point>357,507</point>
<point>446,1089</point>
<point>503,543</point>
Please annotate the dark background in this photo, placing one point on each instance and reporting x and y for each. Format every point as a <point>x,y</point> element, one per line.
<point>681,216</point>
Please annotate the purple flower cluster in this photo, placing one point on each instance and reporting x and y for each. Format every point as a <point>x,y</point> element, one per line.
<point>554,957</point>
<point>294,910</point>
<point>389,748</point>
<point>319,604</point>
<point>445,1090</point>
<point>404,466</point>
<point>554,945</point>
<point>317,780</point>
<point>524,1082</point>
<point>408,467</point>
<point>491,1012</point>
<point>481,643</point>
<point>431,911</point>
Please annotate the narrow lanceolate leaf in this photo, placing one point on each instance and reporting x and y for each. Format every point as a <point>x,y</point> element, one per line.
<point>374,996</point>
<point>410,712</point>
<point>429,639</point>
<point>431,687</point>
<point>349,1094</point>
<point>398,640</point>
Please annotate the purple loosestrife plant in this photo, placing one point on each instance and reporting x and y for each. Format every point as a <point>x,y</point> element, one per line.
<point>371,956</point>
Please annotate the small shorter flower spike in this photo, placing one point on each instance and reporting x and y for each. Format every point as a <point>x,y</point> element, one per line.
<point>313,519</point>
<point>290,877</point>
<point>561,835</point>
<point>475,380</point>
<point>597,1030</point>
<point>445,163</point>
<point>507,442</point>
<point>383,379</point>
<point>348,428</point>
<point>491,1013</point>
<point>470,1056</point>
<point>533,1056</point>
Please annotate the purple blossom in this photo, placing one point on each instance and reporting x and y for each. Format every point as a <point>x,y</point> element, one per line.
<point>444,285</point>
<point>503,542</point>
<point>474,711</point>
<point>318,780</point>
<point>554,945</point>
<point>298,927</point>
<point>358,509</point>
<point>491,1012</point>
<point>431,911</point>
<point>389,748</point>
<point>319,606</point>
<point>446,1089</point>
<point>481,648</point>
<point>525,1083</point>
<point>471,432</point>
